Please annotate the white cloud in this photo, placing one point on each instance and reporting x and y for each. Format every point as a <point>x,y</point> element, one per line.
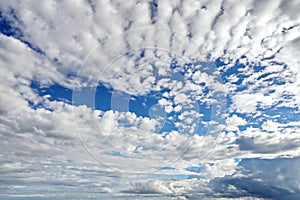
<point>153,186</point>
<point>234,121</point>
<point>108,123</point>
<point>270,126</point>
<point>76,44</point>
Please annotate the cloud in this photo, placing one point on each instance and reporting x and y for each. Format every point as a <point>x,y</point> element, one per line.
<point>206,56</point>
<point>273,145</point>
<point>234,121</point>
<point>256,178</point>
<point>152,187</point>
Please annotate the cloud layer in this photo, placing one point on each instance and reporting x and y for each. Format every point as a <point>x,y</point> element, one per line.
<point>224,75</point>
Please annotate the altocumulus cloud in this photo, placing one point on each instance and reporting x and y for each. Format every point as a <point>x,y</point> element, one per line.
<point>150,99</point>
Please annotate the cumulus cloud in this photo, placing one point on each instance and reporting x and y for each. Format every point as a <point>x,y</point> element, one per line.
<point>273,145</point>
<point>203,56</point>
<point>234,121</point>
<point>257,178</point>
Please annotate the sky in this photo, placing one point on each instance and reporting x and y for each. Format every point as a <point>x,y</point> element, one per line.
<point>141,99</point>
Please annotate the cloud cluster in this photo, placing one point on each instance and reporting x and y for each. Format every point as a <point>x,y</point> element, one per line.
<point>229,72</point>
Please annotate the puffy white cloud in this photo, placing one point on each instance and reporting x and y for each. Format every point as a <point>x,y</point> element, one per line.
<point>153,186</point>
<point>108,123</point>
<point>234,121</point>
<point>78,43</point>
<point>270,126</point>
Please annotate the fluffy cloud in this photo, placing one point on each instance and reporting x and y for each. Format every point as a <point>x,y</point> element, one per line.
<point>273,145</point>
<point>257,178</point>
<point>234,121</point>
<point>140,47</point>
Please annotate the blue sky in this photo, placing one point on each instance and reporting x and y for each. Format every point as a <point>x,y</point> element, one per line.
<point>149,100</point>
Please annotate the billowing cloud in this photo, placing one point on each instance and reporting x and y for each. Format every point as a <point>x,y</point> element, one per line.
<point>203,99</point>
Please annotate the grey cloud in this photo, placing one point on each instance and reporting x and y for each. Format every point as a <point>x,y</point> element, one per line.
<point>275,179</point>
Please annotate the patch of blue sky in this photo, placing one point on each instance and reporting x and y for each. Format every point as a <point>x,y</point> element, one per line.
<point>282,114</point>
<point>56,92</point>
<point>168,126</point>
<point>101,99</point>
<point>219,63</point>
<point>236,70</point>
<point>166,168</point>
<point>70,161</point>
<point>141,105</point>
<point>153,9</point>
<point>202,107</point>
<point>136,150</point>
<point>197,169</point>
<point>9,26</point>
